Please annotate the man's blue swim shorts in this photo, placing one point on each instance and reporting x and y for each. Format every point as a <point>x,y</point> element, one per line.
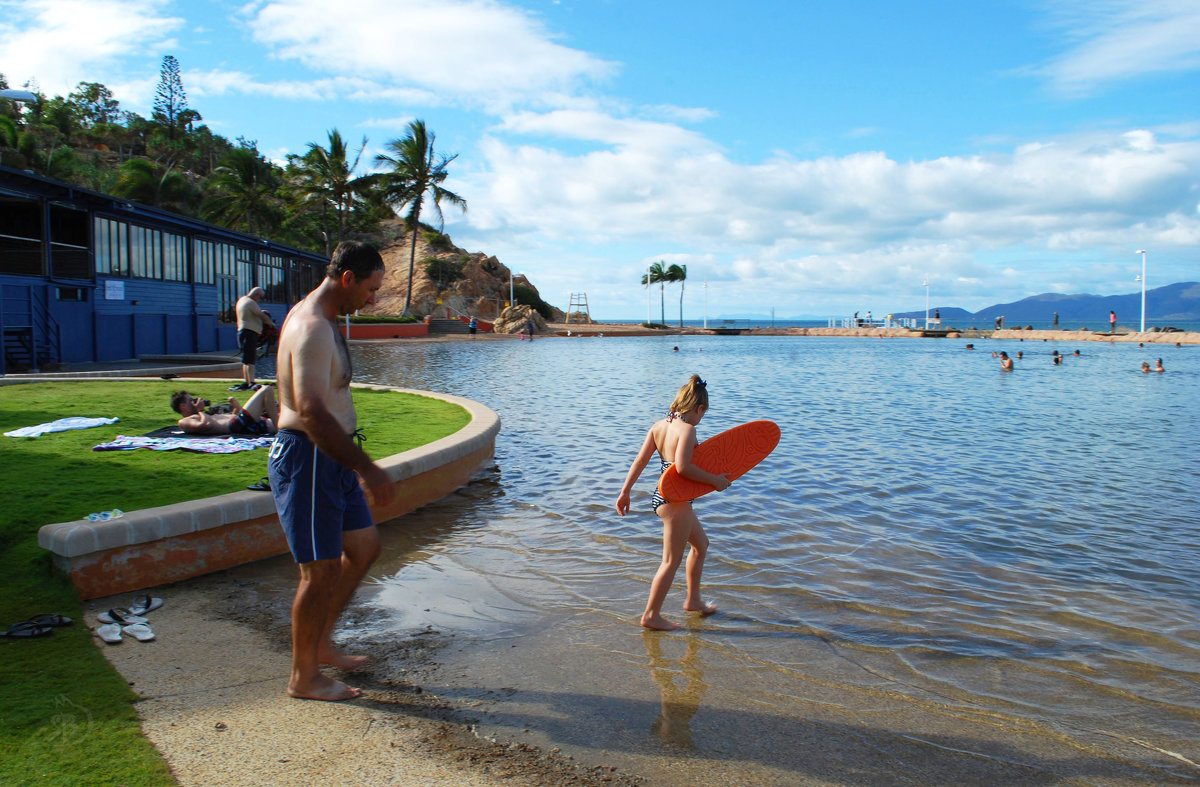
<point>317,498</point>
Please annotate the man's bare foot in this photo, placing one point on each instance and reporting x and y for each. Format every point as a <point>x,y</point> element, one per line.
<point>336,658</point>
<point>323,688</point>
<point>658,623</point>
<point>702,608</point>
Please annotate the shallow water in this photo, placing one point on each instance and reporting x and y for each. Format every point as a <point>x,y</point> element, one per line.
<point>943,573</point>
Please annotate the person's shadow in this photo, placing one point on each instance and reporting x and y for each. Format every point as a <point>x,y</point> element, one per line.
<point>679,703</point>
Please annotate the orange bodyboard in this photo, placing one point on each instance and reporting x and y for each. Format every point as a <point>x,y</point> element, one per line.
<point>733,451</point>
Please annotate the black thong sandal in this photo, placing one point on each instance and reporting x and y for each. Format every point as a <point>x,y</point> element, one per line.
<point>26,630</point>
<point>263,485</point>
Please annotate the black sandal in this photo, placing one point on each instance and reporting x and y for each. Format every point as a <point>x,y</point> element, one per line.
<point>263,485</point>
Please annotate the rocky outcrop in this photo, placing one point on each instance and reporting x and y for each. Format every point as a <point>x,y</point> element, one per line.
<point>473,284</point>
<point>515,319</point>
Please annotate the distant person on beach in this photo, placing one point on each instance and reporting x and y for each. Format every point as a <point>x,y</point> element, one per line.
<point>250,320</point>
<point>937,318</point>
<point>1158,367</point>
<point>1006,363</point>
<point>318,472</point>
<point>675,437</point>
<point>1112,321</point>
<point>473,325</point>
<point>1055,319</point>
<point>257,417</point>
<point>857,322</point>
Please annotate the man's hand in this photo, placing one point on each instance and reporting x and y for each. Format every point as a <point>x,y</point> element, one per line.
<point>380,488</point>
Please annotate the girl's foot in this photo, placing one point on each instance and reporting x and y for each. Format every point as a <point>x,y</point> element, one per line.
<point>324,688</point>
<point>658,623</point>
<point>336,658</point>
<point>702,608</point>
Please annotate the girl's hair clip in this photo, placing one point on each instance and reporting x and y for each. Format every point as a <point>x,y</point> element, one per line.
<point>701,383</point>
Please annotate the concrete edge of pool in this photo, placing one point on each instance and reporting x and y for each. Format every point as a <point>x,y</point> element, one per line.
<point>154,546</point>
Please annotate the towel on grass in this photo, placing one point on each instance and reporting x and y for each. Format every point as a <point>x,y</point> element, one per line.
<point>61,425</point>
<point>230,445</point>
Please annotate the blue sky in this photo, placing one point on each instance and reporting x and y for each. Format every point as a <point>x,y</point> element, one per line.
<point>815,159</point>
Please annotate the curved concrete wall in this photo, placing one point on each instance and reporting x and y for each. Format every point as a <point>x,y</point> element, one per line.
<point>169,543</point>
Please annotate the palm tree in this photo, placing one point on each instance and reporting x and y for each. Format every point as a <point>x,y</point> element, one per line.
<point>658,275</point>
<point>242,193</point>
<point>324,179</point>
<point>416,176</point>
<point>678,273</point>
<point>141,181</point>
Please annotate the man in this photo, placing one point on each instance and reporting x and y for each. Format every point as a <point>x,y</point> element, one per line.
<point>313,467</point>
<point>1005,362</point>
<point>250,319</point>
<point>258,417</point>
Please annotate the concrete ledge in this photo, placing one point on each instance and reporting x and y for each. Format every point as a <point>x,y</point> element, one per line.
<point>169,543</point>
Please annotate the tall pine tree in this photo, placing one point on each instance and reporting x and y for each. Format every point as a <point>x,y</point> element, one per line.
<point>169,98</point>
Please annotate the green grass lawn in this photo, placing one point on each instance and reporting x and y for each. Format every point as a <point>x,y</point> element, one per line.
<point>66,716</point>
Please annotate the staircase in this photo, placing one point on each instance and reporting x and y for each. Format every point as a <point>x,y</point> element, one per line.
<point>445,326</point>
<point>29,336</point>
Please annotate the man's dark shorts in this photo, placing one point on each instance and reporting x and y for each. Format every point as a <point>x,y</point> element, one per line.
<point>248,343</point>
<point>317,498</point>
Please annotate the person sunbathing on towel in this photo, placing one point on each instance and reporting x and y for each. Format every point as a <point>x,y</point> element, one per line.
<point>256,418</point>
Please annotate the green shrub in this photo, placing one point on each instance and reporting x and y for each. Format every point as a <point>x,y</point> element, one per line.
<point>528,297</point>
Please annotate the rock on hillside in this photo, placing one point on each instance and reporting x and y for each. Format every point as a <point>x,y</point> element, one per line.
<point>481,288</point>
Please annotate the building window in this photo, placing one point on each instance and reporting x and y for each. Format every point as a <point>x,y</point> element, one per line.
<point>21,236</point>
<point>112,247</point>
<point>69,243</point>
<point>271,277</point>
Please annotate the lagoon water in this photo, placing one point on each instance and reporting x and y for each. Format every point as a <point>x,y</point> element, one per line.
<point>944,573</point>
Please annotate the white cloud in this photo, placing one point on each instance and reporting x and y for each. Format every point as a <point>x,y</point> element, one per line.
<point>59,42</point>
<point>1115,40</point>
<point>475,51</point>
<point>859,223</point>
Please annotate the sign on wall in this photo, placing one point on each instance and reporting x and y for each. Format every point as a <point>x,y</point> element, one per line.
<point>114,290</point>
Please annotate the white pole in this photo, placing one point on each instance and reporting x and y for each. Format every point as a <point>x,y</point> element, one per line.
<point>1143,253</point>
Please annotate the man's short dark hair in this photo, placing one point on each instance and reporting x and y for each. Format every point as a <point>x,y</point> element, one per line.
<point>361,259</point>
<point>177,400</point>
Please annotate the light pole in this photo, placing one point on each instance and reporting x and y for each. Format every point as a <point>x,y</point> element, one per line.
<point>648,271</point>
<point>925,284</point>
<point>1143,280</point>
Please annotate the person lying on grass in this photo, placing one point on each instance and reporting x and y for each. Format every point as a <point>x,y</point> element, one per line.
<point>257,417</point>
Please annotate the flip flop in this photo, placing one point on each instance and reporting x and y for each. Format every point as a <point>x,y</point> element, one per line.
<point>26,630</point>
<point>143,604</point>
<point>122,616</point>
<point>110,633</point>
<point>53,619</point>
<point>139,631</point>
<point>264,485</point>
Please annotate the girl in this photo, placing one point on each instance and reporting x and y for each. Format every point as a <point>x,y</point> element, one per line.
<point>675,437</point>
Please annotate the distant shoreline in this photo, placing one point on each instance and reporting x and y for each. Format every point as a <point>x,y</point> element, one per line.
<point>631,329</point>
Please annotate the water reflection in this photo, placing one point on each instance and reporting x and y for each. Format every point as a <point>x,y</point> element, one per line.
<point>679,702</point>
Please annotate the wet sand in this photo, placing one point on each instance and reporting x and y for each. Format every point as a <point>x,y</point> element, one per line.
<point>213,700</point>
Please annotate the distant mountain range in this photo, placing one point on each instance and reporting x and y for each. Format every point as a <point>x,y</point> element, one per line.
<point>1175,302</point>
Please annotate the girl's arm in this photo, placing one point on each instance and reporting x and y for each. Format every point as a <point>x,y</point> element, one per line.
<point>635,471</point>
<point>683,462</point>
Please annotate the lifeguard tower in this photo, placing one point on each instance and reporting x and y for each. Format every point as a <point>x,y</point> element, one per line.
<point>579,304</point>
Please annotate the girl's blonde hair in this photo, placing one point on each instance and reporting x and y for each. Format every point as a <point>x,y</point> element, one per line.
<point>692,395</point>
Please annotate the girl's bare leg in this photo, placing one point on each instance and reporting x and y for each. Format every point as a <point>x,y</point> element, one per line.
<point>695,566</point>
<point>678,520</point>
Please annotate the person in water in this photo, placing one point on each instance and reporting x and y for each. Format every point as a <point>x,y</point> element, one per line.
<point>1005,362</point>
<point>674,438</point>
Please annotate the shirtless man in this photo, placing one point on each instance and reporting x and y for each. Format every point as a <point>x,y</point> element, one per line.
<point>318,473</point>
<point>250,319</point>
<point>257,417</point>
<point>1005,362</point>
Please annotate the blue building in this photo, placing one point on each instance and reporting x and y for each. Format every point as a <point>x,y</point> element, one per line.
<point>86,276</point>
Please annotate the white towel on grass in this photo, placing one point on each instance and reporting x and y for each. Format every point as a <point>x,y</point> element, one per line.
<point>61,425</point>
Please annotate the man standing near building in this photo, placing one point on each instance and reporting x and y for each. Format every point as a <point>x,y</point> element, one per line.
<point>318,472</point>
<point>250,319</point>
